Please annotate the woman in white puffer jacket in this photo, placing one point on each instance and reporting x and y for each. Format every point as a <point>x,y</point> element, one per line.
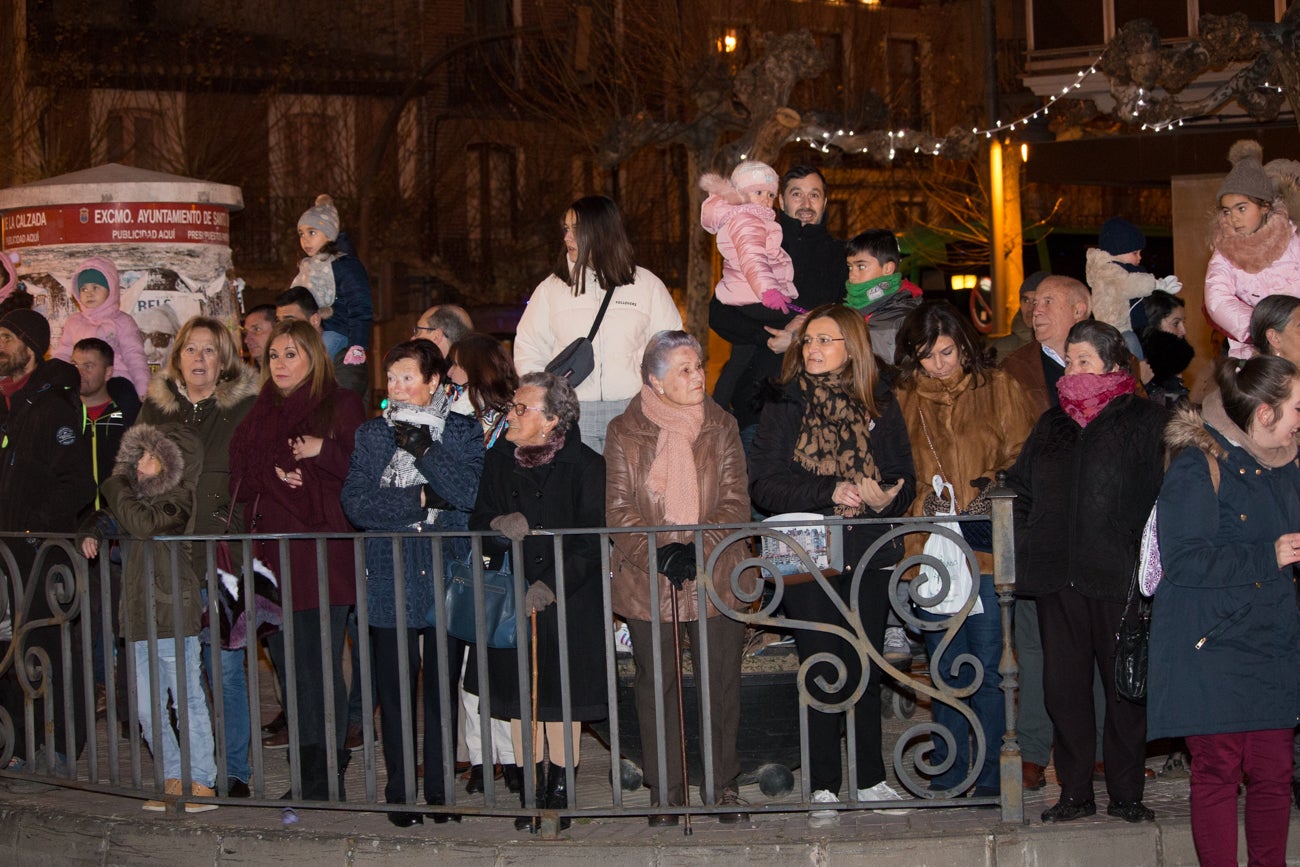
<point>597,259</point>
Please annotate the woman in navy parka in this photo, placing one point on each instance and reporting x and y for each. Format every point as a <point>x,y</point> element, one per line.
<point>1225,632</point>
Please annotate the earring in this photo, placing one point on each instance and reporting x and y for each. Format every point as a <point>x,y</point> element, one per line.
<point>661,391</point>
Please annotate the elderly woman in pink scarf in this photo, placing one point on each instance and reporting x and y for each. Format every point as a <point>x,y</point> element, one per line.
<point>674,457</point>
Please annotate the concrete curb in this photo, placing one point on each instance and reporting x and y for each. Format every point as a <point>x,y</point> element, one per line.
<point>38,835</point>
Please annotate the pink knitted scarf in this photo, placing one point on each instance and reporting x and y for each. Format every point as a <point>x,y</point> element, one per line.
<point>672,476</point>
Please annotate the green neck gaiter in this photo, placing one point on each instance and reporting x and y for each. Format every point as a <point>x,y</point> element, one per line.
<point>859,295</point>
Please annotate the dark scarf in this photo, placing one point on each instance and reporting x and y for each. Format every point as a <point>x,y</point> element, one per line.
<point>835,433</point>
<point>530,457</point>
<point>1084,395</point>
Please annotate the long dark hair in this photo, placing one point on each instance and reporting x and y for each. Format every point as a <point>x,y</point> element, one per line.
<point>490,371</point>
<point>917,336</point>
<point>602,246</point>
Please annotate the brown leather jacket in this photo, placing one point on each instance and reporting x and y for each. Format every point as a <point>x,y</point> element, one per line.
<point>724,499</point>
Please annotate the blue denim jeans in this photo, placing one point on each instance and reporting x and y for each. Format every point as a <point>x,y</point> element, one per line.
<point>203,768</point>
<point>234,709</point>
<point>981,637</point>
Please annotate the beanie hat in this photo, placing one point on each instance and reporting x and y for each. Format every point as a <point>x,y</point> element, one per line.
<point>89,276</point>
<point>322,216</point>
<point>1032,281</point>
<point>755,175</point>
<point>31,328</point>
<point>1118,236</point>
<point>1247,177</point>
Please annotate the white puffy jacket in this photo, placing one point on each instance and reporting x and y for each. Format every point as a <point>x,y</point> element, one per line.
<point>555,317</point>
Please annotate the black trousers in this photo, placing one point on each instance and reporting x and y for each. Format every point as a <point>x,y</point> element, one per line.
<point>726,643</point>
<point>1078,639</point>
<point>810,602</point>
<point>385,649</point>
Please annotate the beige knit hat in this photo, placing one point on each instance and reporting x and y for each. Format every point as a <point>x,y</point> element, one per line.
<point>322,216</point>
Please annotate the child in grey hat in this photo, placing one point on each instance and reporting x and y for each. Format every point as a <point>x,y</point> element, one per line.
<point>1256,251</point>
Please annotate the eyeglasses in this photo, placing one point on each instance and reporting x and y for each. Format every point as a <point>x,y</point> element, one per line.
<point>415,332</point>
<point>820,340</point>
<point>520,409</point>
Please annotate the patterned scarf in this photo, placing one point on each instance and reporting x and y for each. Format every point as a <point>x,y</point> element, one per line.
<point>672,476</point>
<point>401,471</point>
<point>834,434</point>
<point>1084,395</point>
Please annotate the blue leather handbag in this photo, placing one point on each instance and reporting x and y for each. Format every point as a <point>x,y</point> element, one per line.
<point>498,603</point>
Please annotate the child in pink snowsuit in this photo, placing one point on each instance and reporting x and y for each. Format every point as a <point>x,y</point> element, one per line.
<point>739,212</point>
<point>95,287</point>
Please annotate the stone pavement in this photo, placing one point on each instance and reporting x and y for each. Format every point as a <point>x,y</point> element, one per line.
<point>78,826</point>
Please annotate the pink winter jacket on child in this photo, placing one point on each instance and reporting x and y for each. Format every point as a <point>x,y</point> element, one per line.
<point>109,324</point>
<point>749,239</point>
<point>1246,268</point>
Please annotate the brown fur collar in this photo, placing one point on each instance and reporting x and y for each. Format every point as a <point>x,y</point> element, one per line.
<point>1255,252</point>
<point>1187,429</point>
<point>143,438</point>
<point>165,393</point>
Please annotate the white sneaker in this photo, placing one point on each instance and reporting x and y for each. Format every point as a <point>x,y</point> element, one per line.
<point>822,818</point>
<point>882,792</point>
<point>897,650</point>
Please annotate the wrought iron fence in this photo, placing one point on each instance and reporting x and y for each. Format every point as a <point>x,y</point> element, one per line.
<point>56,611</point>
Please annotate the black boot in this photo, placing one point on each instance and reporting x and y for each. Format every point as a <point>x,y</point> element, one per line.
<point>344,757</point>
<point>557,792</point>
<point>514,778</point>
<point>528,823</point>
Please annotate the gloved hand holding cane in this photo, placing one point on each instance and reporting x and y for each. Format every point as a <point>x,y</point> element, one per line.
<point>677,562</point>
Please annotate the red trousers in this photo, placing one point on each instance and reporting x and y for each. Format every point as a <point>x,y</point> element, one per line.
<point>1219,763</point>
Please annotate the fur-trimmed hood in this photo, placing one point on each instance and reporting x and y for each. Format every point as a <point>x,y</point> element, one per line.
<point>1187,429</point>
<point>177,448</point>
<point>164,392</point>
<point>1191,428</point>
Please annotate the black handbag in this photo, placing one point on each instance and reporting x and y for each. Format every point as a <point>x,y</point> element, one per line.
<point>577,360</point>
<point>1131,646</point>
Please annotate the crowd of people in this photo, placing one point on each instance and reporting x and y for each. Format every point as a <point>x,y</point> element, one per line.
<point>846,394</point>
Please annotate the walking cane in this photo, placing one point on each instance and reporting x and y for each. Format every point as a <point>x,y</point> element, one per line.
<point>681,713</point>
<point>532,624</point>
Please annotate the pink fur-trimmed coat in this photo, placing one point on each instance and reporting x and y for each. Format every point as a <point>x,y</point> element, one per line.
<point>749,239</point>
<point>1247,268</point>
<point>110,324</point>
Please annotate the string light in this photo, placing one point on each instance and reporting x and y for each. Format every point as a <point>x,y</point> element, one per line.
<point>889,141</point>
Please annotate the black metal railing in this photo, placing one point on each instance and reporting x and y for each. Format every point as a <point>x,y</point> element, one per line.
<point>48,717</point>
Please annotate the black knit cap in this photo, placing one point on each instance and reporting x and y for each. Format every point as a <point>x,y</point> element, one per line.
<point>31,328</point>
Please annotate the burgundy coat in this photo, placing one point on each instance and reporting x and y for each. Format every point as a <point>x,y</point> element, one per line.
<point>260,445</point>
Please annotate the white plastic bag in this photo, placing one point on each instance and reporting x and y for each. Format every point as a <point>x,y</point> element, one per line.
<point>948,552</point>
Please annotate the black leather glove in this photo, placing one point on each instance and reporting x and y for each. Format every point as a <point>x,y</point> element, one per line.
<point>412,438</point>
<point>433,499</point>
<point>677,562</point>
